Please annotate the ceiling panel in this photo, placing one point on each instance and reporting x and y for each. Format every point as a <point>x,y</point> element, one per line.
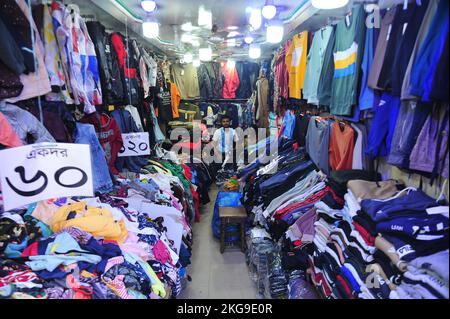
<point>127,15</point>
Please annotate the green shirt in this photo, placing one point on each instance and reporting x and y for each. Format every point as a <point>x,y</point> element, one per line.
<point>316,58</point>
<point>348,53</point>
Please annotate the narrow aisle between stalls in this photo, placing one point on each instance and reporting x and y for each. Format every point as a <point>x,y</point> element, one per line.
<point>216,276</point>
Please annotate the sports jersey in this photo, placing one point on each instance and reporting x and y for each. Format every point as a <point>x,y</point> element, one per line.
<point>348,52</point>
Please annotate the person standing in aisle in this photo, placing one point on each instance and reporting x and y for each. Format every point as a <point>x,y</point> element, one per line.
<point>223,142</point>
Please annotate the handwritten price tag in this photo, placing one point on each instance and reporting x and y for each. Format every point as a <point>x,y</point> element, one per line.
<point>135,144</point>
<point>32,173</point>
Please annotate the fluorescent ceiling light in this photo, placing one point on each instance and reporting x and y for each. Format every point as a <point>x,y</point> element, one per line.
<point>254,51</point>
<point>150,29</point>
<point>148,5</point>
<point>269,11</point>
<point>204,17</point>
<point>232,27</point>
<point>205,54</point>
<point>255,19</point>
<point>196,63</point>
<point>275,33</point>
<point>187,27</point>
<point>329,4</point>
<point>233,34</point>
<point>249,39</point>
<point>188,58</point>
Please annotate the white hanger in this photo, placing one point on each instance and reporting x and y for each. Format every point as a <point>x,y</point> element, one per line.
<point>73,7</point>
<point>442,195</point>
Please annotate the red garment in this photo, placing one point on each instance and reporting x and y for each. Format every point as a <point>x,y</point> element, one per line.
<point>18,276</point>
<point>8,137</point>
<point>348,290</point>
<point>282,73</point>
<point>368,239</point>
<point>122,55</point>
<point>319,279</point>
<point>109,136</point>
<point>161,253</point>
<point>31,250</point>
<point>342,145</point>
<point>310,200</point>
<point>187,172</point>
<point>196,198</point>
<point>231,83</point>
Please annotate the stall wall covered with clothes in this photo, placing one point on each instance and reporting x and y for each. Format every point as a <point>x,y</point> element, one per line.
<point>66,80</point>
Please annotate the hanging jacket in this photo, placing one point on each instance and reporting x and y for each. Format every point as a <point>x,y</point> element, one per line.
<point>152,67</point>
<point>53,63</point>
<point>10,85</point>
<point>143,69</point>
<point>244,89</point>
<point>263,103</point>
<point>218,84</point>
<point>25,124</point>
<point>231,82</point>
<point>110,77</point>
<point>78,52</point>
<point>11,55</point>
<point>109,136</point>
<point>205,82</point>
<point>8,137</point>
<point>34,83</point>
<point>16,21</point>
<point>126,125</point>
<point>127,69</point>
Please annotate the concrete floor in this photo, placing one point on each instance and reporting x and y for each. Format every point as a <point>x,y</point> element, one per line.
<point>216,276</point>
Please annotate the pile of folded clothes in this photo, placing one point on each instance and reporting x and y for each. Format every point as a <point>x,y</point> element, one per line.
<point>134,243</point>
<point>349,234</point>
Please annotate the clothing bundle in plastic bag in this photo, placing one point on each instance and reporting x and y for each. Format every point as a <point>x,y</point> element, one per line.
<point>264,261</point>
<point>299,288</point>
<point>225,199</point>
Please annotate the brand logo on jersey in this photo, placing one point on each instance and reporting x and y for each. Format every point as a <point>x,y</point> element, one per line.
<point>397,227</point>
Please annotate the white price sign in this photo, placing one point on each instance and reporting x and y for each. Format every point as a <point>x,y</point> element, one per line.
<point>135,144</point>
<point>38,172</point>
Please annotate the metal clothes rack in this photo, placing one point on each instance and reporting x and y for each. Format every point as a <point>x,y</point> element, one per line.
<point>199,100</point>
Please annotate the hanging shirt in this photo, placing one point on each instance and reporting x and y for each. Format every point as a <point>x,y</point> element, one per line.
<point>176,99</point>
<point>406,46</point>
<point>326,76</point>
<point>186,79</point>
<point>316,57</point>
<point>380,51</point>
<point>367,96</point>
<point>281,71</point>
<point>348,52</point>
<point>165,107</point>
<point>296,64</point>
<point>423,31</point>
<point>342,143</point>
<point>424,68</point>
